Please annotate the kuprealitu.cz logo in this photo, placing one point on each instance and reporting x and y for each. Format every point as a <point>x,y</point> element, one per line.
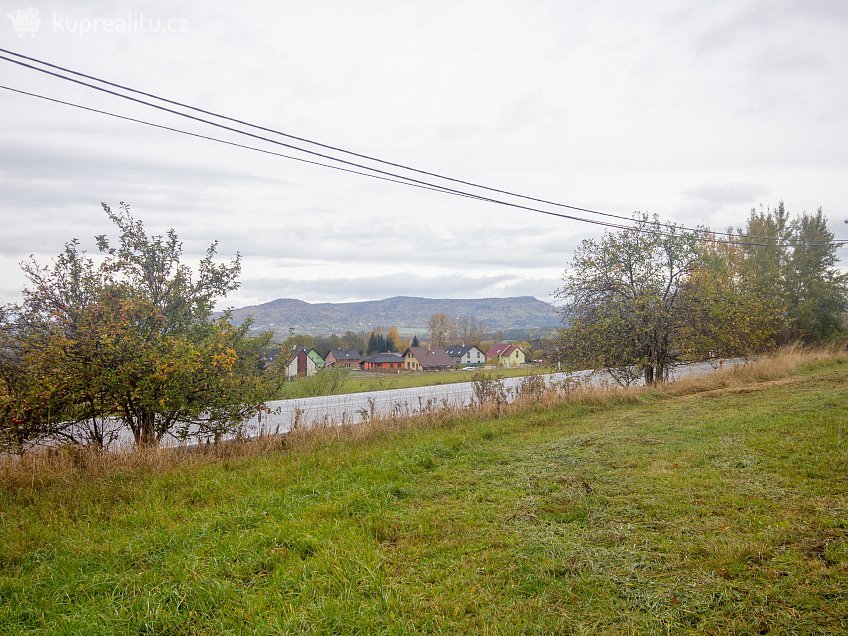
<point>25,22</point>
<point>28,22</point>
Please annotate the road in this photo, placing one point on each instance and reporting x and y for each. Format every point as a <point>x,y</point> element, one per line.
<point>353,408</point>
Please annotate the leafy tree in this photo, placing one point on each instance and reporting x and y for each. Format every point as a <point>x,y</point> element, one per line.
<point>297,341</point>
<point>324,344</point>
<point>130,339</point>
<point>641,298</point>
<point>725,316</point>
<point>794,275</point>
<point>817,291</point>
<point>622,297</point>
<point>399,344</point>
<point>357,341</point>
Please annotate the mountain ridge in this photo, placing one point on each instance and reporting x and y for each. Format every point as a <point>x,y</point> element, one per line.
<point>404,312</point>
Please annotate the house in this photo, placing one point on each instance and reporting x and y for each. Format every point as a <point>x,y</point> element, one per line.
<point>506,355</point>
<point>316,358</point>
<point>302,363</point>
<point>343,358</point>
<point>464,356</point>
<point>383,362</point>
<point>424,359</point>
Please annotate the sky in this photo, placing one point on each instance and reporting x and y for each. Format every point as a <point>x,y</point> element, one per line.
<point>695,111</point>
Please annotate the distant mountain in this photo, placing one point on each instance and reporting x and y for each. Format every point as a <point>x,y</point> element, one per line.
<point>405,312</point>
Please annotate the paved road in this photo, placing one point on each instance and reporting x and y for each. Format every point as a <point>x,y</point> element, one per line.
<point>355,407</point>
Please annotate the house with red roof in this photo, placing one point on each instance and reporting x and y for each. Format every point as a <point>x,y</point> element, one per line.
<point>506,355</point>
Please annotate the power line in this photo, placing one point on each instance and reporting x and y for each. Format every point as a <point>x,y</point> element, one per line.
<point>207,137</point>
<point>426,187</point>
<point>390,176</point>
<point>278,154</point>
<point>311,152</point>
<point>365,174</point>
<point>331,147</point>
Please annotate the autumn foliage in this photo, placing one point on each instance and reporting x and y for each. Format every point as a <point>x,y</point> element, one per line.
<point>641,299</point>
<point>126,341</point>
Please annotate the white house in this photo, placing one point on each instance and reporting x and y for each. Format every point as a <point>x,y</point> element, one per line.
<point>467,356</point>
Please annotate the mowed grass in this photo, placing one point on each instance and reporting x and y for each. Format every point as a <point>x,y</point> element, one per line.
<point>361,381</point>
<point>719,512</point>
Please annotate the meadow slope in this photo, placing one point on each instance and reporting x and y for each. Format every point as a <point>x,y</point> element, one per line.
<point>719,511</point>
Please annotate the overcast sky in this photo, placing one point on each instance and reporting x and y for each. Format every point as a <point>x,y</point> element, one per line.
<point>696,111</point>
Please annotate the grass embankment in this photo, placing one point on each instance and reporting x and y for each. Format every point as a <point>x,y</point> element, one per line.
<point>361,381</point>
<point>717,505</point>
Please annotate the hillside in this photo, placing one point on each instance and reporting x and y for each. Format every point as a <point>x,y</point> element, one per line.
<point>404,312</point>
<point>715,512</point>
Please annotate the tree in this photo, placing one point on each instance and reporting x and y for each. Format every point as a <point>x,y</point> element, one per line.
<point>439,326</point>
<point>725,316</point>
<point>131,339</point>
<point>462,329</point>
<point>399,344</point>
<point>415,342</point>
<point>389,342</point>
<point>817,291</point>
<point>791,268</point>
<point>297,341</point>
<point>622,300</point>
<point>351,340</point>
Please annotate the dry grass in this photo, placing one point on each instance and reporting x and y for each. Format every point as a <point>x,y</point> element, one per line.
<point>65,463</point>
<point>721,511</point>
<point>70,462</point>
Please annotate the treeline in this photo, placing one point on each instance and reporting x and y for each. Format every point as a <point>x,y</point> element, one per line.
<point>379,340</point>
<point>639,300</point>
<point>442,330</point>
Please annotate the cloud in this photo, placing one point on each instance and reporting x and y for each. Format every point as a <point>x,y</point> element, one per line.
<point>55,162</point>
<point>402,283</point>
<point>697,109</point>
<point>727,193</point>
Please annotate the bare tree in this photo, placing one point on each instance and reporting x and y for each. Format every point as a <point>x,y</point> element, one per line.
<point>439,327</point>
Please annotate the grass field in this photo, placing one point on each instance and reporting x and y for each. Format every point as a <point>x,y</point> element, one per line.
<point>706,510</point>
<point>360,381</point>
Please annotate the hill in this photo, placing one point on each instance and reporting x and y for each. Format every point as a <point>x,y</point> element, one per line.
<point>405,312</point>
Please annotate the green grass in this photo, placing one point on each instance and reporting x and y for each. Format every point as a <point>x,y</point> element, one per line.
<point>360,381</point>
<point>723,512</point>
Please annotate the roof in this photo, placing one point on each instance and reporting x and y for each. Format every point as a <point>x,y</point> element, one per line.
<point>457,351</point>
<point>384,357</point>
<point>306,350</point>
<point>500,350</point>
<point>430,358</point>
<point>345,354</point>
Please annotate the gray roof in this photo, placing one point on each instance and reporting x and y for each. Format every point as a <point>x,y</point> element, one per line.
<point>384,357</point>
<point>345,354</point>
<point>457,351</point>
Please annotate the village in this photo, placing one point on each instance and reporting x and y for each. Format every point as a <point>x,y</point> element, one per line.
<point>306,361</point>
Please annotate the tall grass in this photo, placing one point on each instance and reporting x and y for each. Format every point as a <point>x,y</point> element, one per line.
<point>41,467</point>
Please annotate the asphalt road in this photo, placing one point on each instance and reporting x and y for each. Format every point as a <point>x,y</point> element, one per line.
<point>355,407</point>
